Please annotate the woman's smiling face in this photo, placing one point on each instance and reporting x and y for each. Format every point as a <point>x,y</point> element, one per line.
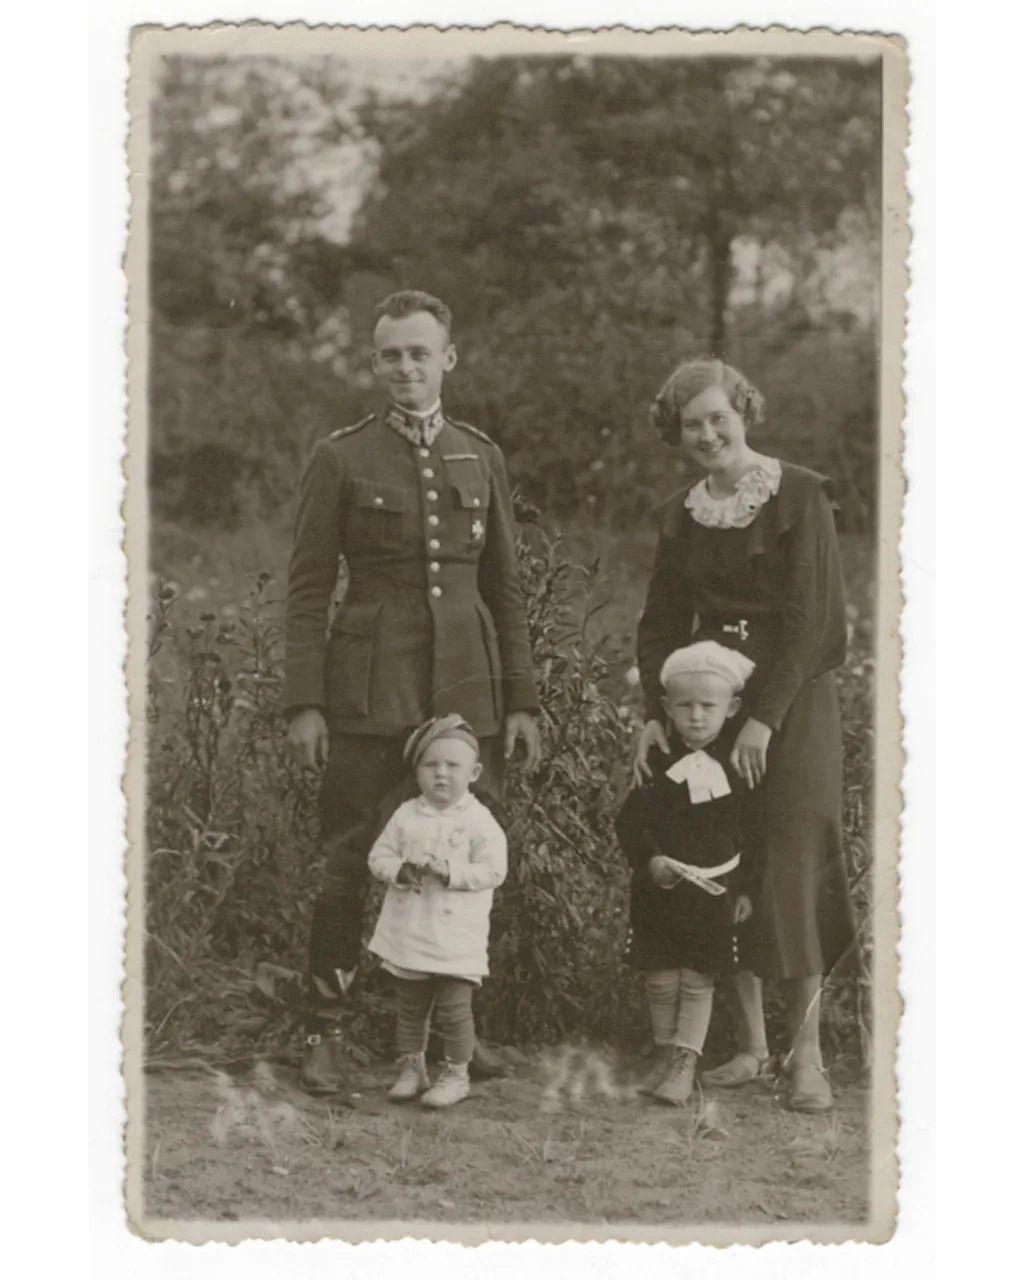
<point>712,433</point>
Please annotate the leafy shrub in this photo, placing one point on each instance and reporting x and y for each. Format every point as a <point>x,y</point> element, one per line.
<point>560,921</point>
<point>231,828</point>
<point>233,860</point>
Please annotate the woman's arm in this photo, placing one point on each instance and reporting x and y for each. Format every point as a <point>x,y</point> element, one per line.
<point>813,615</point>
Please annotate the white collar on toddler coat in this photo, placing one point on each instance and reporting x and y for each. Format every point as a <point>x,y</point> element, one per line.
<point>706,778</point>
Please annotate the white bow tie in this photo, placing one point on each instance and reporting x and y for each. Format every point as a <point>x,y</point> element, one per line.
<point>705,776</point>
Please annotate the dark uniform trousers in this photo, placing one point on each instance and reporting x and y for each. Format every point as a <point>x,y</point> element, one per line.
<point>432,622</point>
<point>365,780</point>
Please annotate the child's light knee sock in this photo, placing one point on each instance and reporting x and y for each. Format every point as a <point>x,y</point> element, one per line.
<point>696,993</point>
<point>662,987</point>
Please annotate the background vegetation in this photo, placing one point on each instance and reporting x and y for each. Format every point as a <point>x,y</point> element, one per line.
<point>590,222</point>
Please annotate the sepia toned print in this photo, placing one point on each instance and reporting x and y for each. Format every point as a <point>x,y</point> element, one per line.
<point>512,502</point>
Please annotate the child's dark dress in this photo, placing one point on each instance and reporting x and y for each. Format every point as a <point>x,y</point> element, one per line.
<point>686,927</point>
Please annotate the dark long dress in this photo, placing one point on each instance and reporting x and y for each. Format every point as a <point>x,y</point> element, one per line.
<point>774,590</point>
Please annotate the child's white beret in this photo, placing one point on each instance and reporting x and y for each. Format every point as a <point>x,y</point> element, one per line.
<point>708,656</point>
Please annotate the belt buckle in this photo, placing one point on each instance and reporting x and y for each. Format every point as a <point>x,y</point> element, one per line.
<point>740,629</point>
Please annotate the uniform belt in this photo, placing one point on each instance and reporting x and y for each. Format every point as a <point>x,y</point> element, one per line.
<point>702,876</point>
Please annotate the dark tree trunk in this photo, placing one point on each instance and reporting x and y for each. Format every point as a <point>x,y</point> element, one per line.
<point>719,246</point>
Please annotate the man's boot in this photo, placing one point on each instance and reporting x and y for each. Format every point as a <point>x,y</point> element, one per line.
<point>324,1068</point>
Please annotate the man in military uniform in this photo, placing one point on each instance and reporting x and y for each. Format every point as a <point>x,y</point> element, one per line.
<point>432,621</point>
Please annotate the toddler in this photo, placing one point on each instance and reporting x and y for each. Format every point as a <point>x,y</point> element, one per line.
<point>441,855</point>
<point>681,834</point>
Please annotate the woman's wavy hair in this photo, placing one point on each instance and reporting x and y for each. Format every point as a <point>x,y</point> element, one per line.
<point>692,377</point>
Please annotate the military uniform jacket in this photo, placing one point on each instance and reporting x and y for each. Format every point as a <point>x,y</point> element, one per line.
<point>432,620</point>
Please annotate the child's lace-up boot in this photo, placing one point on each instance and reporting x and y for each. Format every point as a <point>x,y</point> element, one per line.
<point>656,1072</point>
<point>677,1085</point>
<point>412,1079</point>
<point>452,1086</point>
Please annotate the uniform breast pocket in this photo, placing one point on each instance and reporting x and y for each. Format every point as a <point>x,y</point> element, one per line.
<point>471,497</point>
<point>377,516</point>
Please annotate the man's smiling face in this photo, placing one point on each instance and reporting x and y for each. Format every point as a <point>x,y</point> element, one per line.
<point>411,355</point>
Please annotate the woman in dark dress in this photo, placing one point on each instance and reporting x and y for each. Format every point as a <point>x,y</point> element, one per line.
<point>749,553</point>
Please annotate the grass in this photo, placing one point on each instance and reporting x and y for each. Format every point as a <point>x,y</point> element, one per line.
<point>499,1157</point>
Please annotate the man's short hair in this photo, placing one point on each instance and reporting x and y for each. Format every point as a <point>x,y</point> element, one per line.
<point>407,302</point>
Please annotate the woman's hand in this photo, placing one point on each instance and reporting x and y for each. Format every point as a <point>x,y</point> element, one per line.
<point>653,735</point>
<point>750,754</point>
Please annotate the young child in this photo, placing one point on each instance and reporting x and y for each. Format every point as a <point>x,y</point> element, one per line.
<point>681,833</point>
<point>441,855</point>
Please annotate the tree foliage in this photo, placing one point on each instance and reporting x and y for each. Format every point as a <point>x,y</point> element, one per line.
<point>589,220</point>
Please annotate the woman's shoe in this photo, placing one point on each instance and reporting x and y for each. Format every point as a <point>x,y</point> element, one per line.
<point>412,1079</point>
<point>677,1085</point>
<point>657,1071</point>
<point>740,1069</point>
<point>809,1089</point>
<point>452,1086</point>
<point>487,1063</point>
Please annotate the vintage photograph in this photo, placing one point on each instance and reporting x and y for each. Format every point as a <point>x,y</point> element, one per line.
<point>512,504</point>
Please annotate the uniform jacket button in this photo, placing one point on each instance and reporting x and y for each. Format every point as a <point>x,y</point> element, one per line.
<point>378,502</point>
<point>428,472</point>
<point>435,567</point>
<point>435,545</point>
<point>424,453</point>
<point>432,495</point>
<point>433,520</point>
<point>435,591</point>
<point>476,502</point>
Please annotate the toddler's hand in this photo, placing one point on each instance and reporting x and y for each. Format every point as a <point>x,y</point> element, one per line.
<point>410,875</point>
<point>743,909</point>
<point>664,872</point>
<point>433,866</point>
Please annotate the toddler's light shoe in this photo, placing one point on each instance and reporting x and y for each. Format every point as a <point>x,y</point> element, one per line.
<point>412,1079</point>
<point>677,1085</point>
<point>452,1086</point>
<point>657,1071</point>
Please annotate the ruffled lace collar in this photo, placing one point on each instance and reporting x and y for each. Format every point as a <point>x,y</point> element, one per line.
<point>741,507</point>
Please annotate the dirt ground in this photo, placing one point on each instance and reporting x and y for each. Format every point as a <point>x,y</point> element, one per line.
<point>565,1139</point>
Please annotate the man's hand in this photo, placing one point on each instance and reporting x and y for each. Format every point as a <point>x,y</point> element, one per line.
<point>521,724</point>
<point>743,909</point>
<point>653,736</point>
<point>750,754</point>
<point>664,871</point>
<point>307,732</point>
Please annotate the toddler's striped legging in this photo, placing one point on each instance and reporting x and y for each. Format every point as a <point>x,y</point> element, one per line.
<point>450,1002</point>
